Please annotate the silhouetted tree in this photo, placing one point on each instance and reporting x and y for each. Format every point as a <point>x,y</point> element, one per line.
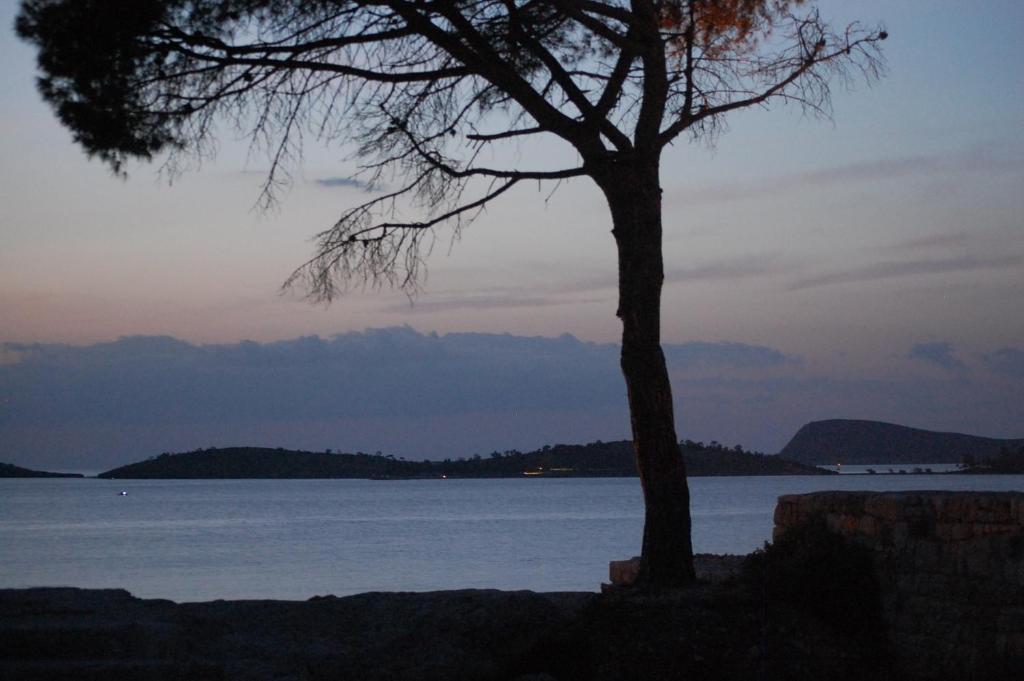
<point>425,89</point>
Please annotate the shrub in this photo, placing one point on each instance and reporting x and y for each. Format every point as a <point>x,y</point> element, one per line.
<point>821,574</point>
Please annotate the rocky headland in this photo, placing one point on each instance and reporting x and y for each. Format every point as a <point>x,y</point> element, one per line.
<point>851,441</point>
<point>9,470</point>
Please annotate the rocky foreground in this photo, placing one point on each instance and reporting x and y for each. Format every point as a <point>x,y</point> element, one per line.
<point>714,630</point>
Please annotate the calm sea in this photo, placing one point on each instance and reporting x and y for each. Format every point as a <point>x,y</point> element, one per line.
<point>292,539</point>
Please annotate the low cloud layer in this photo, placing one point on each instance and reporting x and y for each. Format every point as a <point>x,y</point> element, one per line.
<point>1008,362</point>
<point>388,377</point>
<point>430,396</point>
<point>386,373</point>
<point>937,354</point>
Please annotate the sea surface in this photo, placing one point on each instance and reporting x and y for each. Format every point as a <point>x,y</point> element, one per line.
<point>194,540</point>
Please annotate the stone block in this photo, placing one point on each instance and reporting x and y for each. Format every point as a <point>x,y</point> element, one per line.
<point>951,565</point>
<point>624,572</point>
<point>867,526</point>
<point>1002,528</point>
<point>1010,644</point>
<point>787,510</point>
<point>951,531</point>
<point>785,514</point>
<point>806,503</point>
<point>900,534</point>
<point>1013,573</point>
<point>1011,620</point>
<point>978,564</point>
<point>996,509</point>
<point>884,506</point>
<point>842,523</point>
<point>950,508</point>
<point>929,556</point>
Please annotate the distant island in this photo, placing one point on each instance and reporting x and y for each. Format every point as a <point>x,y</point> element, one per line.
<point>9,470</point>
<point>849,441</point>
<point>597,459</point>
<point>845,441</point>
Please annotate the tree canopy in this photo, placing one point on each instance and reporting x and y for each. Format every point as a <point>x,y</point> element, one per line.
<point>425,91</point>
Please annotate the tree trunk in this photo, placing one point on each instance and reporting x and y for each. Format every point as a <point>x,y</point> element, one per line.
<point>633,192</point>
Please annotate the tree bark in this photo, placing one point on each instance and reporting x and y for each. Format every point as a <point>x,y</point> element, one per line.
<point>633,191</point>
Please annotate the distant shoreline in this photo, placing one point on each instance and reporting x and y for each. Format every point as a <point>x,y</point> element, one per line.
<point>880,471</point>
<point>594,460</point>
<point>8,470</point>
<point>814,450</point>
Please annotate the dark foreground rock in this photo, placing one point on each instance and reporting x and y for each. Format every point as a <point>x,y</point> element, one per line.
<point>108,634</point>
<point>710,631</point>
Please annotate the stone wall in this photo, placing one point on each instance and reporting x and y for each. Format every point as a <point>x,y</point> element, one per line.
<point>951,566</point>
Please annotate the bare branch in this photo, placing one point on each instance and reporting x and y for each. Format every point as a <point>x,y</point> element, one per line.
<point>379,252</point>
<point>437,162</point>
<point>226,56</point>
<point>508,134</point>
<point>799,74</point>
<point>414,91</point>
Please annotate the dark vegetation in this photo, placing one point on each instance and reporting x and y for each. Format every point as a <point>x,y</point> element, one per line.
<point>807,606</point>
<point>1005,461</point>
<point>851,441</point>
<point>597,459</point>
<point>819,573</point>
<point>9,470</point>
<point>709,632</point>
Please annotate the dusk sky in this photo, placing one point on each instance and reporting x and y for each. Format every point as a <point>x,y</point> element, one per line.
<point>871,266</point>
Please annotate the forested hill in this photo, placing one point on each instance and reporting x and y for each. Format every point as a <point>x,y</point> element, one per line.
<point>869,442</point>
<point>9,470</point>
<point>591,460</point>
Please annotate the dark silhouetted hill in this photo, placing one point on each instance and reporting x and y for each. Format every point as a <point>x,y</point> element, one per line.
<point>869,442</point>
<point>263,462</point>
<point>597,459</point>
<point>9,470</point>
